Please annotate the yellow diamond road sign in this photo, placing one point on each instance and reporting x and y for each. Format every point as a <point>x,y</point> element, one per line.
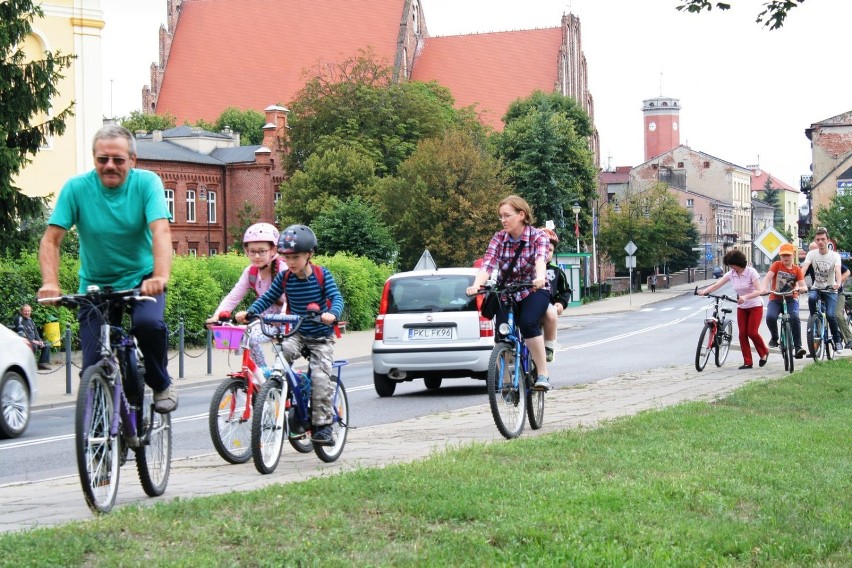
<point>769,241</point>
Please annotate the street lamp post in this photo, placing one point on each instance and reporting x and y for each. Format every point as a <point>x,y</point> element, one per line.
<point>202,197</point>
<point>576,210</point>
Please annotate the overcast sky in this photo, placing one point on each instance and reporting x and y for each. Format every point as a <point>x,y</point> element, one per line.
<point>747,94</point>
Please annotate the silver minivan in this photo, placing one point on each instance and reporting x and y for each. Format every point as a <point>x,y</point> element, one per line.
<point>428,328</point>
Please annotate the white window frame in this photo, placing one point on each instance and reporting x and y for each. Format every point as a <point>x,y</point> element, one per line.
<point>170,203</point>
<point>211,206</point>
<point>190,206</point>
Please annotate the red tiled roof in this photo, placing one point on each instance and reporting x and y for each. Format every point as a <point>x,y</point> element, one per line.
<point>466,64</point>
<point>614,177</point>
<point>758,181</point>
<point>262,49</point>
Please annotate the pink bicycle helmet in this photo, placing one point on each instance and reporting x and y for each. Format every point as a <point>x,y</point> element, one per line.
<point>261,233</point>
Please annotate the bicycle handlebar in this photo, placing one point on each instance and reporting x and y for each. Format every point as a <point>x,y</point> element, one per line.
<point>708,295</point>
<point>511,287</point>
<point>95,295</point>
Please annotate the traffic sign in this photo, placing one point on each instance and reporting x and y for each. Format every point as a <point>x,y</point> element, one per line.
<point>630,248</point>
<point>630,261</point>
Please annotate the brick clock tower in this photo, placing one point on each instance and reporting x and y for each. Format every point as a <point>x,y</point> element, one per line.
<point>662,125</point>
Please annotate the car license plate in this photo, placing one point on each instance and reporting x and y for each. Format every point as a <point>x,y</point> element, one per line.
<point>419,333</point>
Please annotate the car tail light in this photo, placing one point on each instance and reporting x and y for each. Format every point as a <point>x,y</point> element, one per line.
<point>486,327</point>
<point>383,305</point>
<point>380,328</point>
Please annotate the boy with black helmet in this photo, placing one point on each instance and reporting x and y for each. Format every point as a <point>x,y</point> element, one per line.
<point>305,283</point>
<point>560,296</point>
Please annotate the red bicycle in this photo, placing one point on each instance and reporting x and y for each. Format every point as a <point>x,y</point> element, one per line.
<point>716,336</point>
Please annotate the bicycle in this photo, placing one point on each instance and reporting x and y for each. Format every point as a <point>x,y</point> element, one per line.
<point>230,412</point>
<point>115,410</point>
<point>512,372</point>
<point>785,339</point>
<point>283,404</point>
<point>716,335</point>
<point>820,342</point>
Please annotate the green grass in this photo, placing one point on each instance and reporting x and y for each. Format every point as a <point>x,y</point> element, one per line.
<point>762,478</point>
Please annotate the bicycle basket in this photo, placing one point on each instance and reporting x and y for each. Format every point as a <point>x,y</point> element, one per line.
<point>227,336</point>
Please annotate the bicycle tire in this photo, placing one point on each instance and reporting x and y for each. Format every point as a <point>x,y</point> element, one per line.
<point>814,335</point>
<point>828,347</point>
<point>723,343</point>
<point>98,453</point>
<point>154,458</point>
<point>788,350</point>
<point>267,426</point>
<point>302,444</point>
<point>705,346</point>
<point>508,403</point>
<point>230,430</point>
<point>535,399</point>
<point>339,425</point>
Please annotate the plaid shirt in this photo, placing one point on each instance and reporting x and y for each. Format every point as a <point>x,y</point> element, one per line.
<point>501,250</point>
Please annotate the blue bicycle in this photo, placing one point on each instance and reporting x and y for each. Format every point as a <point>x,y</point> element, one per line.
<point>820,342</point>
<point>512,372</point>
<point>115,409</point>
<point>282,407</point>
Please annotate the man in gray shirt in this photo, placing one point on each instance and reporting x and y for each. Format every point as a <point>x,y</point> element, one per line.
<point>826,277</point>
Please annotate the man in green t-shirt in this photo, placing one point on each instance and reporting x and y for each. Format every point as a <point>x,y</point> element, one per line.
<point>122,222</point>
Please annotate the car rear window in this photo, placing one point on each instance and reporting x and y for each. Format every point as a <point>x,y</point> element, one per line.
<point>439,293</point>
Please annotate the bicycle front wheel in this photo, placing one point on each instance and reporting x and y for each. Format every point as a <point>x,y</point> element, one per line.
<point>815,335</point>
<point>535,399</point>
<point>339,424</point>
<point>267,426</point>
<point>723,343</point>
<point>230,421</point>
<point>706,342</point>
<point>505,392</point>
<point>787,349</point>
<point>98,452</point>
<point>154,458</point>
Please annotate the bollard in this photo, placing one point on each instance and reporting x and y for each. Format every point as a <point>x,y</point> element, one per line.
<point>209,351</point>
<point>68,358</point>
<point>180,348</point>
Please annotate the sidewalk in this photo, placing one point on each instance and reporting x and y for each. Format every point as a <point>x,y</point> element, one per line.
<point>57,501</point>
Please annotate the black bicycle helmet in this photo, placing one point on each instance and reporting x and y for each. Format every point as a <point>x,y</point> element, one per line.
<point>297,238</point>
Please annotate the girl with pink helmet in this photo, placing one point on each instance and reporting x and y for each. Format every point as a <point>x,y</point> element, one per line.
<point>260,243</point>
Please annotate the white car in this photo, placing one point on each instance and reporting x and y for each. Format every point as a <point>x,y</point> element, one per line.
<point>428,328</point>
<point>17,383</point>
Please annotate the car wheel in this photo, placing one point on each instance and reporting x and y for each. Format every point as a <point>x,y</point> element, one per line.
<point>384,385</point>
<point>14,405</point>
<point>432,383</point>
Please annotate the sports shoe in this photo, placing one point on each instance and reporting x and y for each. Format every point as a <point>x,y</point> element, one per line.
<point>166,401</point>
<point>773,343</point>
<point>323,435</point>
<point>849,345</point>
<point>838,345</point>
<point>800,353</point>
<point>542,384</point>
<point>43,367</point>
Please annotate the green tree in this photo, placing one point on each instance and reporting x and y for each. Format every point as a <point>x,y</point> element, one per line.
<point>837,218</point>
<point>444,198</point>
<point>658,225</point>
<point>247,215</point>
<point>249,123</point>
<point>353,226</point>
<point>551,102</point>
<point>773,15</point>
<point>148,122</point>
<point>357,102</point>
<point>548,162</point>
<point>27,92</point>
<point>771,197</point>
<point>329,177</point>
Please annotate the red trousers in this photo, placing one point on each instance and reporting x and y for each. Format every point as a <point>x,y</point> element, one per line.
<point>748,322</point>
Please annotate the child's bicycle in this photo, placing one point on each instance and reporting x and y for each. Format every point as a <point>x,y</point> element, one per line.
<point>820,342</point>
<point>512,372</point>
<point>716,335</point>
<point>282,407</point>
<point>115,410</point>
<point>231,405</point>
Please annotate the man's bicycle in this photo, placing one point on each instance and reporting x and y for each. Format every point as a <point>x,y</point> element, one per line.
<point>512,371</point>
<point>115,410</point>
<point>282,407</point>
<point>820,342</point>
<point>715,338</point>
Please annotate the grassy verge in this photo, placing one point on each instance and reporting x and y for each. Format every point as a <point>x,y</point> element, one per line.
<point>761,478</point>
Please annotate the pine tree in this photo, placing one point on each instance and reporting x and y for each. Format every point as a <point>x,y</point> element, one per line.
<point>27,90</point>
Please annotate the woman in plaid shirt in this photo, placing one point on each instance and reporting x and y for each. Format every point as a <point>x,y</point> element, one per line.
<point>518,231</point>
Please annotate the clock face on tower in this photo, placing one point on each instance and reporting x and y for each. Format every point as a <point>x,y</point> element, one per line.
<point>674,125</point>
<point>652,126</point>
